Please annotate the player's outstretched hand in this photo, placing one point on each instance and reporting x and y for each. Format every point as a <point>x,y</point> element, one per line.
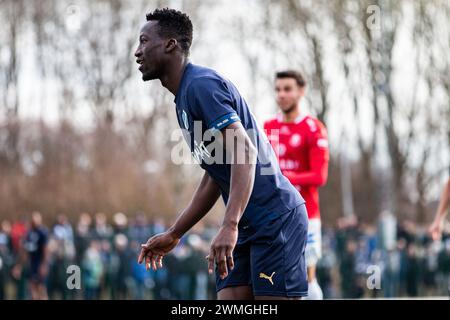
<point>221,250</point>
<point>435,229</point>
<point>156,248</point>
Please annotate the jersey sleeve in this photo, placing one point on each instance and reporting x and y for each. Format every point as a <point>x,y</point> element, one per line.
<point>318,158</point>
<point>211,101</point>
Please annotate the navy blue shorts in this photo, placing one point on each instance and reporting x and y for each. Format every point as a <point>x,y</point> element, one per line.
<point>271,259</point>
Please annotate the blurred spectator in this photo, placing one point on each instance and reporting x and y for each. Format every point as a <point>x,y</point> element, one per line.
<point>387,229</point>
<point>83,236</point>
<point>197,267</point>
<point>444,267</point>
<point>412,271</point>
<point>63,233</point>
<point>141,279</point>
<point>140,230</point>
<point>326,264</point>
<point>6,258</point>
<point>18,232</point>
<point>92,271</point>
<point>391,273</point>
<point>431,266</point>
<point>35,245</point>
<point>349,282</point>
<point>119,267</point>
<point>62,255</point>
<point>106,256</point>
<point>102,230</point>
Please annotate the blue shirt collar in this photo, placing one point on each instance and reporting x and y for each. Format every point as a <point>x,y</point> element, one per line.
<point>183,79</point>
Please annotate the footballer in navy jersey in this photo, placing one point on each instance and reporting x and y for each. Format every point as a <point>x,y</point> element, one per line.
<point>259,251</point>
<point>213,102</point>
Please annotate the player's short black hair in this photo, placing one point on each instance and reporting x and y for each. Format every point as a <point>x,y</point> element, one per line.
<point>173,24</point>
<point>292,74</point>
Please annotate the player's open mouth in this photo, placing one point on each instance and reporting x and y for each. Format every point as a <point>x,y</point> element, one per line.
<point>141,64</point>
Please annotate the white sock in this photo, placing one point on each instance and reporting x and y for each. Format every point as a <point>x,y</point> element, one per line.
<point>314,291</point>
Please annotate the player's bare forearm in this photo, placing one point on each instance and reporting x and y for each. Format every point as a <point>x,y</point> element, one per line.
<point>241,186</point>
<point>243,155</point>
<point>202,201</point>
<point>242,178</point>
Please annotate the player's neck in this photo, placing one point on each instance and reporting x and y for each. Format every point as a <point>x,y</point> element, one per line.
<point>292,115</point>
<point>174,72</point>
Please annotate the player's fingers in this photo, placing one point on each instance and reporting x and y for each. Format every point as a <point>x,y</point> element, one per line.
<point>211,261</point>
<point>221,260</point>
<point>434,232</point>
<point>142,254</point>
<point>154,257</point>
<point>148,260</point>
<point>159,261</point>
<point>436,235</point>
<point>230,260</point>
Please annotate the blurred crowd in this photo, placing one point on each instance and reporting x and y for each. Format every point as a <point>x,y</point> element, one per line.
<point>409,263</point>
<point>34,260</point>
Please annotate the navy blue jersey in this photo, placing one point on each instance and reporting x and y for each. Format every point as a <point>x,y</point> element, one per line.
<point>206,103</point>
<point>35,242</point>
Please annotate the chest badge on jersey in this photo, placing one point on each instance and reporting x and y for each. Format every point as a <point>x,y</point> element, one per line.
<point>295,140</point>
<point>285,130</point>
<point>184,117</point>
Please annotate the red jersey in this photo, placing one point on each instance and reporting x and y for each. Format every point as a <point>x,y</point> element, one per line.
<point>302,150</point>
<point>18,233</point>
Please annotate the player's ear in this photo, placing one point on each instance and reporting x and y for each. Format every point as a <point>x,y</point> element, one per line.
<point>171,44</point>
<point>302,91</point>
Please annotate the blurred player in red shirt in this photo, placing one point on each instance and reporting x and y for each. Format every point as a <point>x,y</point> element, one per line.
<point>301,144</point>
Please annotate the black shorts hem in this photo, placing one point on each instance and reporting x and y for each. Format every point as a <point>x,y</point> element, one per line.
<point>281,293</point>
<point>233,284</point>
<point>266,293</point>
